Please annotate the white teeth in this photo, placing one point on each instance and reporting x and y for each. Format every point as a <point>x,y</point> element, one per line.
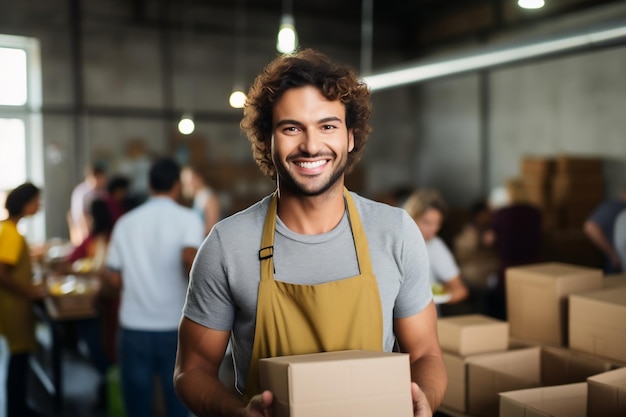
<point>310,165</point>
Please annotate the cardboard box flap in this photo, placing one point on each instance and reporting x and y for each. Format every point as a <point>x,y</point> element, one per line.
<point>524,363</point>
<point>561,366</point>
<point>606,394</point>
<point>558,401</point>
<point>555,270</point>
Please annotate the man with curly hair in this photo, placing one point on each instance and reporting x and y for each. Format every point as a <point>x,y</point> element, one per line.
<point>312,267</point>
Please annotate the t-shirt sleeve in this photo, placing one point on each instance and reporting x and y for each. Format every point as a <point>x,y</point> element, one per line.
<point>10,244</point>
<point>442,263</point>
<point>114,259</point>
<point>209,300</point>
<point>194,232</point>
<point>415,291</point>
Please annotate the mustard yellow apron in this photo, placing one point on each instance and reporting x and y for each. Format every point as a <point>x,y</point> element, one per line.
<point>297,319</point>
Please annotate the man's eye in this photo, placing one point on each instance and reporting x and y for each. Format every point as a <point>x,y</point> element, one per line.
<point>328,127</point>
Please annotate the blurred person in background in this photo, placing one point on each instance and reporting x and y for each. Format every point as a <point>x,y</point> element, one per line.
<point>150,255</point>
<point>92,187</point>
<point>17,294</point>
<point>427,208</point>
<point>599,228</point>
<point>116,195</point>
<point>515,235</point>
<point>620,236</point>
<point>204,200</point>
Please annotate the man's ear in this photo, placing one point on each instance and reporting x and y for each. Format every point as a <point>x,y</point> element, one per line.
<point>350,140</point>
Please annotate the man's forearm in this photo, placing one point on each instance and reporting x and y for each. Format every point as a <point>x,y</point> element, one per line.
<point>206,396</point>
<point>430,375</point>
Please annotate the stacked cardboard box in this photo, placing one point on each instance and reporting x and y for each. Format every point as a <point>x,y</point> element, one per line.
<point>461,337</point>
<point>537,175</point>
<point>606,394</point>
<point>598,322</point>
<point>537,296</point>
<point>539,366</point>
<point>577,188</point>
<point>603,395</point>
<point>568,400</point>
<point>565,187</point>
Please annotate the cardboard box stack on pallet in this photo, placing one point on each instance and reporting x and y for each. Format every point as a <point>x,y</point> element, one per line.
<point>537,175</point>
<point>565,187</point>
<point>577,188</point>
<point>577,317</point>
<point>556,356</point>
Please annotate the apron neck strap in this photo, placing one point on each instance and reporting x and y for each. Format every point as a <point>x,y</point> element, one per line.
<point>266,253</point>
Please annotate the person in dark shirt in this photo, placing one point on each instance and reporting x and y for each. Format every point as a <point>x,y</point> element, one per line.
<point>515,236</point>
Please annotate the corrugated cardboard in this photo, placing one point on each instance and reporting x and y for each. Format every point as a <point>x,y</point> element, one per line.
<point>456,393</point>
<point>606,394</point>
<point>472,334</point>
<point>614,280</point>
<point>455,398</point>
<point>351,383</point>
<point>557,401</point>
<point>598,322</point>
<point>537,295</point>
<point>490,374</point>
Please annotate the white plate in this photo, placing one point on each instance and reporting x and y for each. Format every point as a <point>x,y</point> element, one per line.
<point>442,298</point>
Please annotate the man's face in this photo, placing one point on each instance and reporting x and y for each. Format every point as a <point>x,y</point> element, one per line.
<point>310,141</point>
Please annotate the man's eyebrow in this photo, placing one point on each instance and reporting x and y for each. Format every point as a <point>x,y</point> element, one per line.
<point>288,122</point>
<point>297,123</point>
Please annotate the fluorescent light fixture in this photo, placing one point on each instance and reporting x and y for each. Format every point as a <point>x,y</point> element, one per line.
<point>531,4</point>
<point>490,58</point>
<point>287,40</point>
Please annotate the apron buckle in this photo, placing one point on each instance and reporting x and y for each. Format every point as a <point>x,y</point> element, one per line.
<point>265,253</point>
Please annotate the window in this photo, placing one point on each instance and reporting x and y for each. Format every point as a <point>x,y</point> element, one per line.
<point>21,156</point>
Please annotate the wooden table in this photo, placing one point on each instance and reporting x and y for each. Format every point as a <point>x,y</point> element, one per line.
<point>58,323</point>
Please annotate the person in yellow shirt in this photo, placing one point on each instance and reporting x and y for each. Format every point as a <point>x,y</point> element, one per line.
<point>17,292</point>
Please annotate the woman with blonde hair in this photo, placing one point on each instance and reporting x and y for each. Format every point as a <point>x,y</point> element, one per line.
<point>427,208</point>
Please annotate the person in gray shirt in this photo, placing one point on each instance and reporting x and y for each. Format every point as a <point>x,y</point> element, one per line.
<point>312,267</point>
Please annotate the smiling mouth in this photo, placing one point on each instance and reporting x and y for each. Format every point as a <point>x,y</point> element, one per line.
<point>311,165</point>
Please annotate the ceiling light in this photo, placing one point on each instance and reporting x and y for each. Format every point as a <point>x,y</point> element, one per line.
<point>287,41</point>
<point>530,4</point>
<point>237,99</point>
<point>186,126</point>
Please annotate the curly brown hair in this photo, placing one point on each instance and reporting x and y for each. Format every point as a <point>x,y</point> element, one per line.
<point>304,68</point>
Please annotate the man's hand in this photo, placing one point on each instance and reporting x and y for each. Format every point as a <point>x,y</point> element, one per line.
<point>261,405</point>
<point>421,408</point>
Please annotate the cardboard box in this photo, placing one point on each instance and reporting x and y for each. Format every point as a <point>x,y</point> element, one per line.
<point>559,401</point>
<point>455,398</point>
<point>339,384</point>
<point>614,280</point>
<point>606,394</point>
<point>598,322</point>
<point>490,374</point>
<point>537,298</point>
<point>456,393</point>
<point>578,164</point>
<point>537,166</point>
<point>472,334</point>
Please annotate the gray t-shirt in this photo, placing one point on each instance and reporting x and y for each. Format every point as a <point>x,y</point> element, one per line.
<point>225,276</point>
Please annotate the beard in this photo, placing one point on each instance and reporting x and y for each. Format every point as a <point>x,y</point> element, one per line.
<point>310,187</point>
